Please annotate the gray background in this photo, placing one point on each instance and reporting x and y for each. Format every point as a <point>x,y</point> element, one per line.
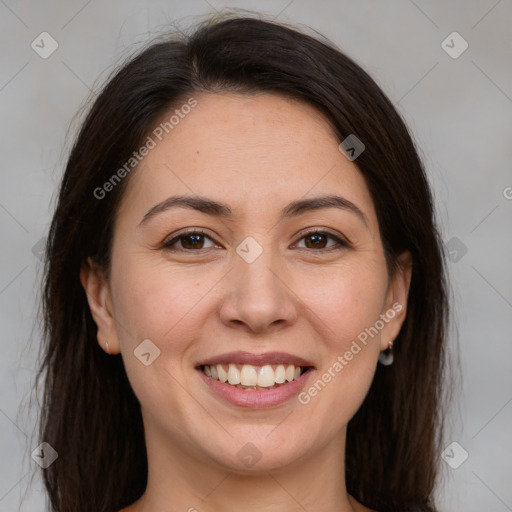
<point>459,110</point>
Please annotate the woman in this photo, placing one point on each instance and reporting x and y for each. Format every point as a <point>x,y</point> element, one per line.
<point>245,296</point>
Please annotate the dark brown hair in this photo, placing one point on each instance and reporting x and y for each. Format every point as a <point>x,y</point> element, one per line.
<point>90,414</point>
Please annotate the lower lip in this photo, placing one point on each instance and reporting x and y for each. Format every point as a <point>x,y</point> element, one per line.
<point>254,399</point>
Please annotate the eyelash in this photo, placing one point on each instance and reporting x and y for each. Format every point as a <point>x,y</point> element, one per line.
<point>168,245</point>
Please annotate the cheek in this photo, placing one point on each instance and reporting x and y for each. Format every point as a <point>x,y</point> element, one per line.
<point>346,304</point>
<point>156,301</point>
<point>347,299</point>
<point>163,305</point>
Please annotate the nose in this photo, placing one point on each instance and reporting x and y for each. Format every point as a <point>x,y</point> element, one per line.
<point>259,296</point>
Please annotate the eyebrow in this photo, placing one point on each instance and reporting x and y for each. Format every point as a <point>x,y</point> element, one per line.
<point>217,209</point>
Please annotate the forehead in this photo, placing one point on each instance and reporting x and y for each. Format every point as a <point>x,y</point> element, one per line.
<point>259,150</point>
<point>241,124</point>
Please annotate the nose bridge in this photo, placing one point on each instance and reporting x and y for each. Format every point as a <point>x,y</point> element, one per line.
<point>259,296</point>
<point>256,270</point>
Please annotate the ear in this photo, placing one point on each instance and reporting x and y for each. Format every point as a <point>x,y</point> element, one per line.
<point>100,303</point>
<point>395,309</point>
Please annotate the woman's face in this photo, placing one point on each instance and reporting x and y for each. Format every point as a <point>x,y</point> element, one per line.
<point>273,279</point>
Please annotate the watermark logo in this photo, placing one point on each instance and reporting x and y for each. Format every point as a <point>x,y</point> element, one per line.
<point>44,45</point>
<point>352,147</point>
<point>456,249</point>
<point>454,455</point>
<point>45,455</point>
<point>249,454</point>
<point>147,352</point>
<point>249,249</point>
<point>38,250</point>
<point>454,45</point>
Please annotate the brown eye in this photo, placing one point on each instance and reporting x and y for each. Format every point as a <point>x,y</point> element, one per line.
<point>191,241</point>
<point>319,240</point>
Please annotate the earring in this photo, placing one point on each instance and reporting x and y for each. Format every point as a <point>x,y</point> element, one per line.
<point>108,351</point>
<point>386,356</point>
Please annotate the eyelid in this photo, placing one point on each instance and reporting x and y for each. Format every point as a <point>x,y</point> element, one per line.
<point>339,239</point>
<point>171,240</point>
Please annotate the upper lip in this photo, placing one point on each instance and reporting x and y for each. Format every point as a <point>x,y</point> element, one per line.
<point>256,359</point>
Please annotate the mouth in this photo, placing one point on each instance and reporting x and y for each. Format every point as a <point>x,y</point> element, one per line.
<point>255,380</point>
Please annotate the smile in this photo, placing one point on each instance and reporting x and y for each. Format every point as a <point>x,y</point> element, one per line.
<point>255,380</point>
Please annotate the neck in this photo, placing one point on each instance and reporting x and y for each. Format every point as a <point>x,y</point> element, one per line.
<point>182,480</point>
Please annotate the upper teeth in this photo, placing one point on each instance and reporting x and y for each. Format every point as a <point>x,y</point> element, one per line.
<point>247,375</point>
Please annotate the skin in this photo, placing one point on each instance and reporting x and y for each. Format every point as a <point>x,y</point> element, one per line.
<point>257,153</point>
